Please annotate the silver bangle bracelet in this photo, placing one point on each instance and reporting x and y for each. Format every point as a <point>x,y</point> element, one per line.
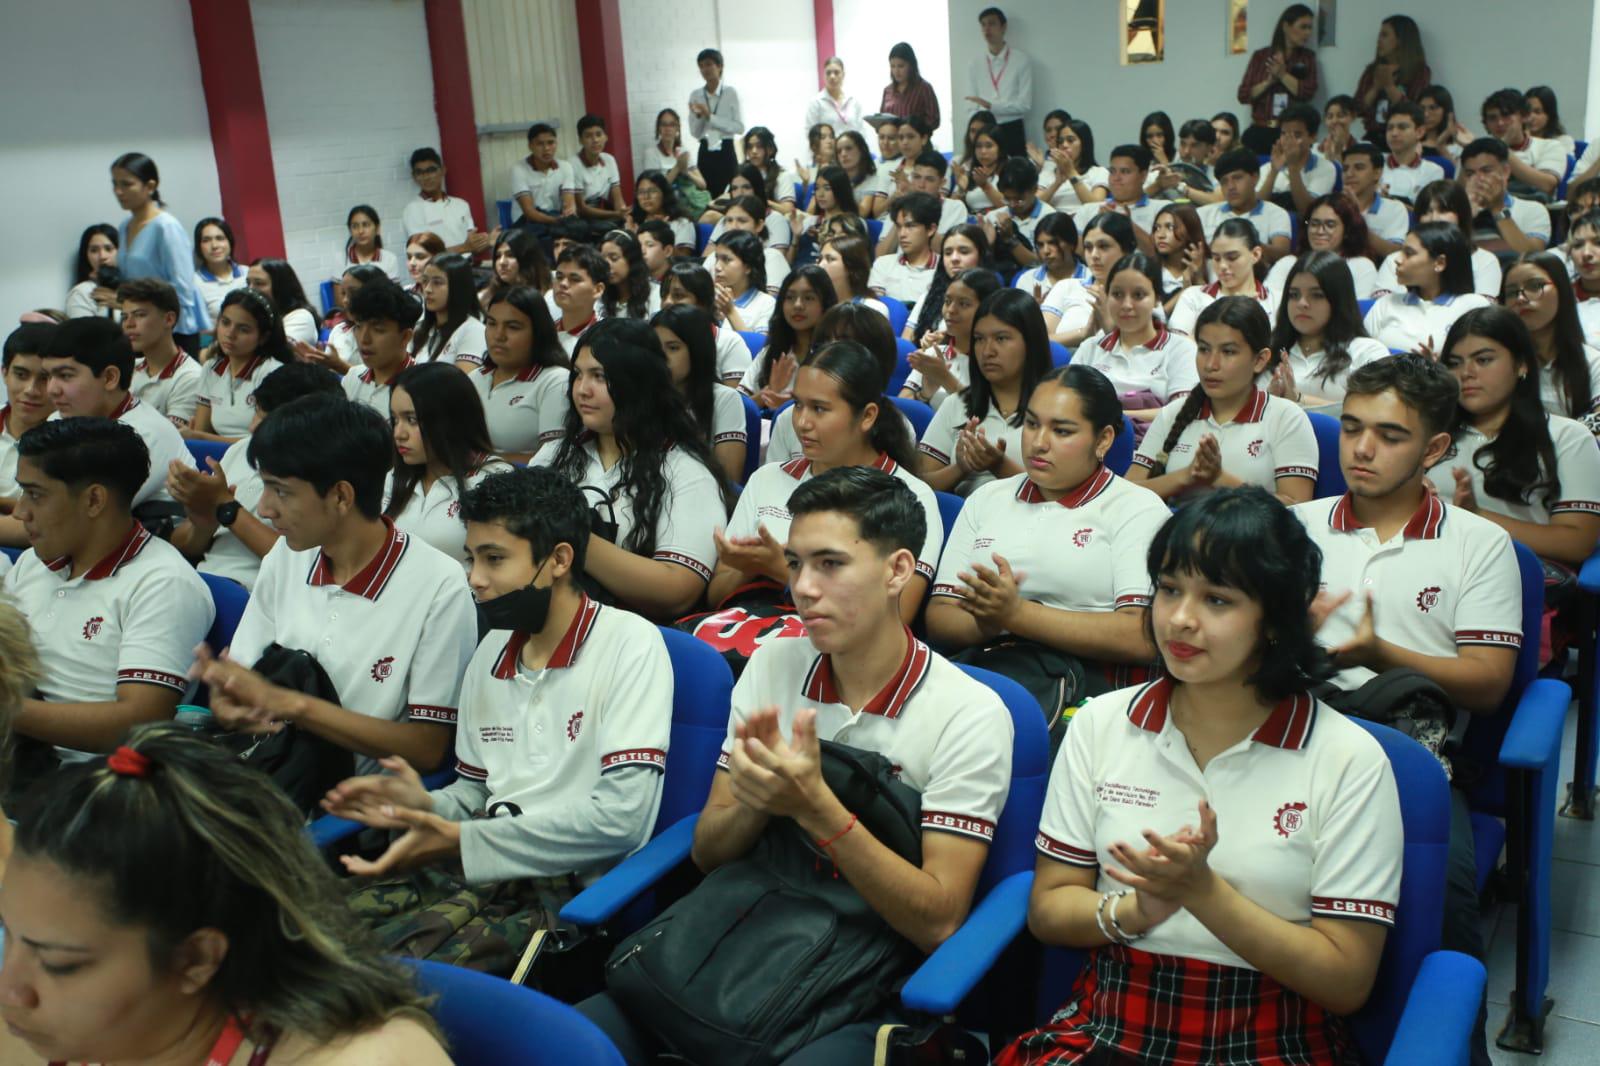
<point>1116,926</point>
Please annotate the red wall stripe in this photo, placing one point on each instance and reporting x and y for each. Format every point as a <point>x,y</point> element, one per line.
<point>822,12</point>
<point>452,103</point>
<point>605,87</point>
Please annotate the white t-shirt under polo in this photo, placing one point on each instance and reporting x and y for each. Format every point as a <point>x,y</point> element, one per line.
<point>1196,298</point>
<point>361,385</point>
<point>134,617</point>
<point>448,217</point>
<point>174,392</point>
<point>939,439</point>
<point>434,516</point>
<point>1404,180</point>
<point>1403,320</point>
<point>1269,219</point>
<point>1486,274</point>
<point>765,502</point>
<point>394,639</point>
<point>1165,366</point>
<point>899,279</point>
<point>543,741</point>
<point>232,397</point>
<point>1577,468</point>
<point>544,187</point>
<point>525,411</point>
<point>1307,369</point>
<point>949,735</point>
<point>1268,438</point>
<point>228,556</point>
<point>1310,797</point>
<point>1449,578</point>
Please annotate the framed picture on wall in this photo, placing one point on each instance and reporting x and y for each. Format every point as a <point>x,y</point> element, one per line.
<point>1142,30</point>
<point>1327,22</point>
<point>1238,27</point>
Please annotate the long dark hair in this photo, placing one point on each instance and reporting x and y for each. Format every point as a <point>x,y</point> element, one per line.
<point>669,196</point>
<point>287,292</point>
<point>694,328</point>
<point>1018,310</point>
<point>1280,32</point>
<point>1241,229</point>
<point>749,250</point>
<point>977,122</point>
<point>862,381</point>
<point>1344,315</point>
<point>1354,242</point>
<point>780,335</point>
<point>1443,238</point>
<point>1444,195</point>
<point>1096,395</point>
<point>933,303</point>
<point>752,174</point>
<point>1521,460</point>
<point>1547,100</point>
<point>1447,105</point>
<point>199,228</point>
<point>1242,313</point>
<point>453,427</point>
<point>273,344</point>
<point>694,279</point>
<point>1571,365</point>
<point>869,166</point>
<point>1409,55</point>
<point>529,302</point>
<point>1147,265</point>
<point>142,167</point>
<point>461,304</point>
<point>532,267</point>
<point>838,183</point>
<point>1085,140</point>
<point>650,420</point>
<point>904,51</point>
<point>677,142</point>
<point>638,282</point>
<point>1163,122</point>
<point>772,170</point>
<point>83,271</point>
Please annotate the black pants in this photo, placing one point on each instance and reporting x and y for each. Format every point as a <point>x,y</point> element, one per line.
<point>1013,137</point>
<point>1260,139</point>
<point>717,165</point>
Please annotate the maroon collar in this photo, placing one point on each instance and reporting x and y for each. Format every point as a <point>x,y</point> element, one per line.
<point>1159,341</point>
<point>1253,408</point>
<point>126,549</point>
<point>891,699</point>
<point>1288,726</point>
<point>1089,490</point>
<point>800,466</point>
<point>566,653</point>
<point>1426,523</point>
<point>374,577</point>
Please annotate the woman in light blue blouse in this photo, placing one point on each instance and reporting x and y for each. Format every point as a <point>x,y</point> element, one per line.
<point>156,245</point>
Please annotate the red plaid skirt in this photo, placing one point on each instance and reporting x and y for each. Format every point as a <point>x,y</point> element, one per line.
<point>1129,1006</point>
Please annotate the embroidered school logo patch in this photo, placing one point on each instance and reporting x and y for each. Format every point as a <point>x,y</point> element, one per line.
<point>515,400</point>
<point>1082,537</point>
<point>383,668</point>
<point>91,628</point>
<point>1428,599</point>
<point>453,510</point>
<point>574,725</point>
<point>1254,448</point>
<point>1289,819</point>
<point>250,400</point>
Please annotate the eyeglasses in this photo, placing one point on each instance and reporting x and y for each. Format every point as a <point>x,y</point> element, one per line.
<point>1530,291</point>
<point>1323,225</point>
<point>424,172</point>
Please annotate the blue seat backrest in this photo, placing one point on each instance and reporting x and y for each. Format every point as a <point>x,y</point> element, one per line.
<point>702,236</point>
<point>1445,164</point>
<point>752,436</point>
<point>1330,475</point>
<point>1486,732</point>
<point>326,293</point>
<point>1060,354</point>
<point>903,350</point>
<point>1365,305</point>
<point>503,209</point>
<point>1120,457</point>
<point>13,553</point>
<point>949,509</point>
<point>874,230</point>
<point>488,1020</point>
<point>898,314</point>
<point>230,599</point>
<point>1013,847</point>
<point>754,341</point>
<point>702,693</point>
<point>918,413</point>
<point>201,449</point>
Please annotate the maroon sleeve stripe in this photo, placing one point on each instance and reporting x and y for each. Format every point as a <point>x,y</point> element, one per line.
<point>472,773</point>
<point>963,824</point>
<point>1489,636</point>
<point>927,449</point>
<point>1062,852</point>
<point>1372,910</point>
<point>137,676</point>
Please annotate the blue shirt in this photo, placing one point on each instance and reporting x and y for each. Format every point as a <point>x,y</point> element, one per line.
<point>163,250</point>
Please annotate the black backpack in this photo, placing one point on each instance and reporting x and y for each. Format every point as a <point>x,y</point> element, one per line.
<point>775,950</point>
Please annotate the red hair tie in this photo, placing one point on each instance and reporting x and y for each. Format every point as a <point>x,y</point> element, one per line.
<point>126,762</point>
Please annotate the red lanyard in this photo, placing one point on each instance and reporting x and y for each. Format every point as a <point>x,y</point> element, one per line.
<point>228,1043</point>
<point>837,110</point>
<point>994,79</point>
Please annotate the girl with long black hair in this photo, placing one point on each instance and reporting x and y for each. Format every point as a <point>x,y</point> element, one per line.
<point>451,327</point>
<point>1319,331</point>
<point>276,280</point>
<point>1148,363</point>
<point>690,283</point>
<point>250,345</point>
<point>965,248</point>
<point>97,247</point>
<point>687,337</point>
<point>806,295</point>
<point>942,367</point>
<point>1539,290</point>
<point>1435,266</point>
<point>523,381</point>
<point>629,292</point>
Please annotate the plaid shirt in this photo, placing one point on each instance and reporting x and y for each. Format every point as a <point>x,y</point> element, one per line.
<point>1302,65</point>
<point>1129,1006</point>
<point>917,100</point>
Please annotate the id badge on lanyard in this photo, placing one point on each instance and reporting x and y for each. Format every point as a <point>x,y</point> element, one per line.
<point>1279,102</point>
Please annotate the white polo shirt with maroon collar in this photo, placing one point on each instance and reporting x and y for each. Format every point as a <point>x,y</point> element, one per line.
<point>361,385</point>
<point>1448,579</point>
<point>939,439</point>
<point>948,736</point>
<point>569,338</point>
<point>434,516</point>
<point>1197,298</point>
<point>1307,805</point>
<point>1268,438</point>
<point>525,411</point>
<point>134,617</point>
<point>1165,367</point>
<point>900,279</point>
<point>232,398</point>
<point>1577,468</point>
<point>1405,180</point>
<point>175,391</point>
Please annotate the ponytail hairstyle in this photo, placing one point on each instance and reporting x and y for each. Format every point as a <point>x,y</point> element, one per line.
<point>287,292</point>
<point>142,167</point>
<point>838,183</point>
<point>529,302</point>
<point>1118,227</point>
<point>532,267</point>
<point>862,382</point>
<point>1344,316</point>
<point>756,208</point>
<point>1521,460</point>
<point>184,837</point>
<point>200,228</point>
<point>638,282</point>
<point>1571,365</point>
<point>1096,395</point>
<point>377,224</point>
<point>453,426</point>
<point>82,271</point>
<point>780,335</point>
<point>693,327</point>
<point>1150,267</point>
<point>1018,310</point>
<point>933,302</point>
<point>1241,313</point>
<point>1442,238</point>
<point>1241,229</point>
<point>748,248</point>
<point>462,303</point>
<point>269,324</point>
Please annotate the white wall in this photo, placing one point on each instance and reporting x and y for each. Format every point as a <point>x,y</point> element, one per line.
<point>349,94</point>
<point>659,43</point>
<point>865,30</point>
<point>72,109</point>
<point>771,51</point>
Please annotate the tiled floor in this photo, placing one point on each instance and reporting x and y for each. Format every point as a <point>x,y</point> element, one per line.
<point>1572,1033</point>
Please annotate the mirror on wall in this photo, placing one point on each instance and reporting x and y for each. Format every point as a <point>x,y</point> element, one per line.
<point>1143,35</point>
<point>1238,27</point>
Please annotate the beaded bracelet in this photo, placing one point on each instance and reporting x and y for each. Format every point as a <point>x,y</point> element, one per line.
<point>1116,926</point>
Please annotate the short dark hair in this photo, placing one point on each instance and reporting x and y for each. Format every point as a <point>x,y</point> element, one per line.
<point>1422,384</point>
<point>539,129</point>
<point>384,301</point>
<point>325,440</point>
<point>1410,109</point>
<point>89,451</point>
<point>884,509</point>
<point>1486,146</point>
<point>1343,100</point>
<point>96,343</point>
<point>996,12</point>
<point>1199,129</point>
<point>588,259</point>
<point>918,123</point>
<point>1236,160</point>
<point>661,231</point>
<point>923,208</point>
<point>932,160</point>
<point>1302,113</point>
<point>711,54</point>
<point>1373,153</point>
<point>535,504</point>
<point>1138,153</point>
<point>425,155</point>
<point>153,291</point>
<point>30,338</point>
<point>589,122</point>
<point>290,382</point>
<point>1017,174</point>
<point>1506,101</point>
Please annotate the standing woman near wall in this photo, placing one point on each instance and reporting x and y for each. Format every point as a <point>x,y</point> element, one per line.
<point>155,244</point>
<point>907,92</point>
<point>832,106</point>
<point>1278,75</point>
<point>1399,71</point>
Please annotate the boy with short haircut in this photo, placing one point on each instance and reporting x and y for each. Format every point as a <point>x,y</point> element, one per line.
<point>115,611</point>
<point>386,616</point>
<point>1010,228</point>
<point>164,376</point>
<point>928,172</point>
<point>27,405</point>
<point>544,187</point>
<point>90,364</point>
<point>1238,173</point>
<point>1296,174</point>
<point>1191,171</point>
<point>1537,164</point>
<point>656,245</point>
<point>1128,172</point>
<point>1337,116</point>
<point>1388,221</point>
<point>436,211</point>
<point>599,181</point>
<point>566,711</point>
<point>715,120</point>
<point>1504,224</point>
<point>383,318</point>
<point>1405,171</point>
<point>578,282</point>
<point>906,276</point>
<point>859,678</point>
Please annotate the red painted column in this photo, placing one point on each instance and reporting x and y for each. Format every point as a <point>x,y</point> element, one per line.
<point>452,103</point>
<point>230,73</point>
<point>822,12</point>
<point>605,86</point>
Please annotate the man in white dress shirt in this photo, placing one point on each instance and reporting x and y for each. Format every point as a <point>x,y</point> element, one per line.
<point>1001,81</point>
<point>715,121</point>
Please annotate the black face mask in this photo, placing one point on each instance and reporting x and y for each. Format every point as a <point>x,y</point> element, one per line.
<point>523,610</point>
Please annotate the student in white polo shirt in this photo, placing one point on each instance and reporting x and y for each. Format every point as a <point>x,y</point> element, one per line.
<point>599,182</point>
<point>579,281</point>
<point>436,211</point>
<point>1435,266</point>
<point>1227,848</point>
<point>1444,201</point>
<point>862,679</point>
<point>1055,239</point>
<point>1405,171</point>
<point>805,296</point>
<point>1238,174</point>
<point>942,367</point>
<point>1537,164</point>
<point>1387,220</point>
<point>1538,288</point>
<point>841,418</point>
<point>690,283</point>
<point>543,186</point>
<point>740,271</point>
<point>223,532</point>
<point>1055,556</point>
<point>906,276</point>
<point>441,450</point>
<point>1319,331</point>
<point>1228,431</point>
<point>383,318</point>
<point>1583,249</point>
<point>649,475</point>
<point>1332,224</point>
<point>164,376</point>
<point>1126,176</point>
<point>250,344</point>
<point>1534,474</point>
<point>523,380</point>
<point>566,710</point>
<point>388,618</point>
<point>928,174</point>
<point>451,327</point>
<point>1237,258</point>
<point>90,365</point>
<point>1148,364</point>
<point>688,340</point>
<point>1502,223</point>
<point>977,436</point>
<point>1296,174</point>
<point>1072,307</point>
<point>115,612</point>
<point>1010,227</point>
<point>27,404</point>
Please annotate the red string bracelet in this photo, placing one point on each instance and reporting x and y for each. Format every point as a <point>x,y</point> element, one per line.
<point>826,844</point>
